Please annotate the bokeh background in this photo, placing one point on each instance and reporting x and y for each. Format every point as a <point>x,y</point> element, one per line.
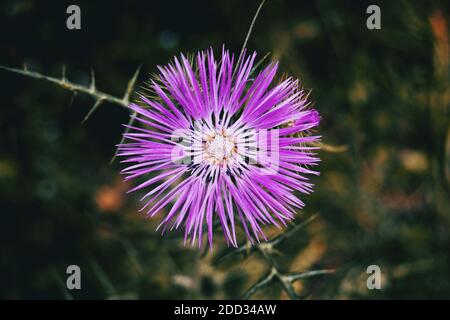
<point>383,196</point>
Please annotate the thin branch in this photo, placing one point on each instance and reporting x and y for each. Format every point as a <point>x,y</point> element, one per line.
<point>264,247</point>
<point>133,115</point>
<point>68,85</point>
<point>296,276</point>
<point>286,281</point>
<point>244,248</point>
<point>62,285</point>
<point>249,32</point>
<point>288,288</point>
<point>261,283</point>
<point>259,63</point>
<point>127,129</point>
<point>266,250</point>
<point>99,96</point>
<point>102,277</point>
<point>277,240</point>
<point>330,148</point>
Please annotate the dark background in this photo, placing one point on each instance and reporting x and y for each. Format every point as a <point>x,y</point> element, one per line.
<point>382,197</point>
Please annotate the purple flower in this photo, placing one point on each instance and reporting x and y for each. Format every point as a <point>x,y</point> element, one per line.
<point>221,145</point>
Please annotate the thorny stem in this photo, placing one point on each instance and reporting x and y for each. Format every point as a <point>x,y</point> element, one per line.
<point>285,279</point>
<point>67,84</point>
<point>90,90</point>
<point>266,251</point>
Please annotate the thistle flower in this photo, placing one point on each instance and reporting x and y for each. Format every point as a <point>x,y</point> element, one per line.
<point>217,143</point>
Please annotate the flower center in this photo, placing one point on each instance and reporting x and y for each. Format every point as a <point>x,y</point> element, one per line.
<point>219,148</point>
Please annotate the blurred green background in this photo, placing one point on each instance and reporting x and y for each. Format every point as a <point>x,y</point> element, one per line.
<point>383,196</point>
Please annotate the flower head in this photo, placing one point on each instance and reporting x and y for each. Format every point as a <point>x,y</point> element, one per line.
<point>219,143</point>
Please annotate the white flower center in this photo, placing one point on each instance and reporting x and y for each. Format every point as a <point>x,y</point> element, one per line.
<point>220,148</point>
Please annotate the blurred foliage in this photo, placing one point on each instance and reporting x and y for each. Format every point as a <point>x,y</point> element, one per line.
<point>382,197</point>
